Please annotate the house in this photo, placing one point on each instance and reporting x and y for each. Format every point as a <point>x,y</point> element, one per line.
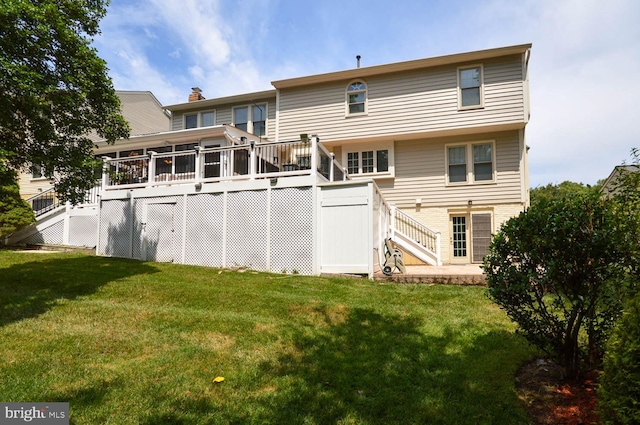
<point>314,174</point>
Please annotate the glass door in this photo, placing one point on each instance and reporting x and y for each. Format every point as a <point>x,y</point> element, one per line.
<point>459,239</point>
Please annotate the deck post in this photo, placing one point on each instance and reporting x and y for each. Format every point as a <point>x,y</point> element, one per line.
<point>252,162</point>
<point>198,169</point>
<point>392,225</point>
<point>314,154</point>
<point>333,159</point>
<point>152,166</point>
<point>105,171</point>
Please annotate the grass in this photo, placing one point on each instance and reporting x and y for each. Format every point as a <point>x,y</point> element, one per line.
<point>127,342</point>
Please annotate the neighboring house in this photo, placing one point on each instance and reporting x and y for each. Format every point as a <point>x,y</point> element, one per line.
<point>431,153</point>
<point>610,185</point>
<point>143,112</point>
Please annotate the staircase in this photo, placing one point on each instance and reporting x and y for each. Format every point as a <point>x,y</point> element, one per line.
<point>415,237</point>
<point>60,224</point>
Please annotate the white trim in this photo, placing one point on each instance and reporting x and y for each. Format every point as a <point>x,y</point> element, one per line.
<point>481,88</point>
<point>347,112</point>
<point>250,117</point>
<point>470,180</point>
<point>360,148</point>
<point>198,115</point>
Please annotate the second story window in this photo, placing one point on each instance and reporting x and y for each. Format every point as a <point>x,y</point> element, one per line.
<point>252,119</point>
<point>191,121</point>
<point>202,119</point>
<point>241,118</point>
<point>470,87</point>
<point>356,98</point>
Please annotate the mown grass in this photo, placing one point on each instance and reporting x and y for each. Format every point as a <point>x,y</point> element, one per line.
<point>131,342</point>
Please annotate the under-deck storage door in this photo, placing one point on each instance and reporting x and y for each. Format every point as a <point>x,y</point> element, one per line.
<point>159,232</point>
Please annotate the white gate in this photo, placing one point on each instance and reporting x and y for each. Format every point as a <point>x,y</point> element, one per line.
<point>158,234</point>
<point>346,219</point>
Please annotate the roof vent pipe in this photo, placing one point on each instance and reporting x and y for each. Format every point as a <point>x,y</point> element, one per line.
<point>358,59</point>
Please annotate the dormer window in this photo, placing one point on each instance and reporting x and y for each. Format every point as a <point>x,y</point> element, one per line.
<point>356,98</point>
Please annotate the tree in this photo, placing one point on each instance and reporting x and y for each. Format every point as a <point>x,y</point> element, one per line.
<point>560,191</point>
<point>55,91</point>
<point>15,213</point>
<point>559,271</point>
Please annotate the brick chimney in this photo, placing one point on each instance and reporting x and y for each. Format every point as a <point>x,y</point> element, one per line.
<point>196,94</point>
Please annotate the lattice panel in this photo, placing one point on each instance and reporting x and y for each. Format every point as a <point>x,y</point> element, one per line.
<point>115,222</point>
<point>83,230</point>
<point>292,230</point>
<point>53,235</point>
<point>247,229</point>
<point>205,222</point>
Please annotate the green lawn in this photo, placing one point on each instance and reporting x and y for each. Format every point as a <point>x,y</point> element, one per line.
<point>127,342</point>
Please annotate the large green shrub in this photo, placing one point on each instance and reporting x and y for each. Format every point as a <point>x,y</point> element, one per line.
<point>15,213</point>
<point>619,392</point>
<point>558,271</point>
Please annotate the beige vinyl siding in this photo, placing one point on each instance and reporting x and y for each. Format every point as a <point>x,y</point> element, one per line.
<point>420,172</point>
<point>405,103</point>
<point>224,115</point>
<point>30,186</point>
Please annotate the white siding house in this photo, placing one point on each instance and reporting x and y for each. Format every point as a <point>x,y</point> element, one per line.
<point>314,174</point>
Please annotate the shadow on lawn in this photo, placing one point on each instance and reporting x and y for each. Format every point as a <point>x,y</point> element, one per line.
<point>30,289</point>
<point>372,368</point>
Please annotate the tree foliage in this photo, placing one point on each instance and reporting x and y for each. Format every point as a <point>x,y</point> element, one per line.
<point>54,90</point>
<point>559,270</point>
<point>15,213</point>
<point>559,191</point>
<point>619,391</point>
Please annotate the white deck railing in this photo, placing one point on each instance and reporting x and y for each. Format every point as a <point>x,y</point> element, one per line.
<point>238,162</point>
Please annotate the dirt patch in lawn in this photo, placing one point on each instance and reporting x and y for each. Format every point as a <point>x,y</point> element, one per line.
<point>550,399</point>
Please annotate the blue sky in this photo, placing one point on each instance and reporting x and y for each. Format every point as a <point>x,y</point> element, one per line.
<point>583,70</point>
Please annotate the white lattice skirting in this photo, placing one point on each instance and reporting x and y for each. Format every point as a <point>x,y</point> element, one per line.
<point>267,229</point>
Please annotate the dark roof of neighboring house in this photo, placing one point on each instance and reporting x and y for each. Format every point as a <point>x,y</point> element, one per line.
<point>143,112</point>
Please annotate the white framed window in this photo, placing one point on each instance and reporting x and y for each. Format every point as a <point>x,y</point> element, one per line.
<point>190,120</point>
<point>470,87</point>
<point>357,98</point>
<point>373,159</point>
<point>200,119</point>
<point>469,163</point>
<point>207,119</point>
<point>251,118</point>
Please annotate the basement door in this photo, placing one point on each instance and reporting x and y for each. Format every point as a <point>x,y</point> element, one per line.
<point>470,237</point>
<point>158,223</point>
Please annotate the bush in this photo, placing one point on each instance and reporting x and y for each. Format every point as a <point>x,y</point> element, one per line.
<point>15,213</point>
<point>557,270</point>
<point>619,391</point>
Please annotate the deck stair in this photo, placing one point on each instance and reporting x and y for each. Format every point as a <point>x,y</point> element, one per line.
<point>416,238</point>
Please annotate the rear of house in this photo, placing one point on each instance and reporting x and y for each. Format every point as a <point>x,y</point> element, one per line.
<point>429,152</point>
<point>443,138</point>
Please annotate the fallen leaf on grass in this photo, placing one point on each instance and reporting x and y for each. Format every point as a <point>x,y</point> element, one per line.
<point>218,379</point>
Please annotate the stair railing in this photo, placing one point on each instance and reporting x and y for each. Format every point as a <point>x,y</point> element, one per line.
<point>415,230</point>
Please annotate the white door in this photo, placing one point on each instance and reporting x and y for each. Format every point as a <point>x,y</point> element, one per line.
<point>459,241</point>
<point>158,232</point>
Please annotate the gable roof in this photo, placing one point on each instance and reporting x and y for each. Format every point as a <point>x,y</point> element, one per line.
<point>402,66</point>
<point>144,112</point>
<point>236,99</point>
